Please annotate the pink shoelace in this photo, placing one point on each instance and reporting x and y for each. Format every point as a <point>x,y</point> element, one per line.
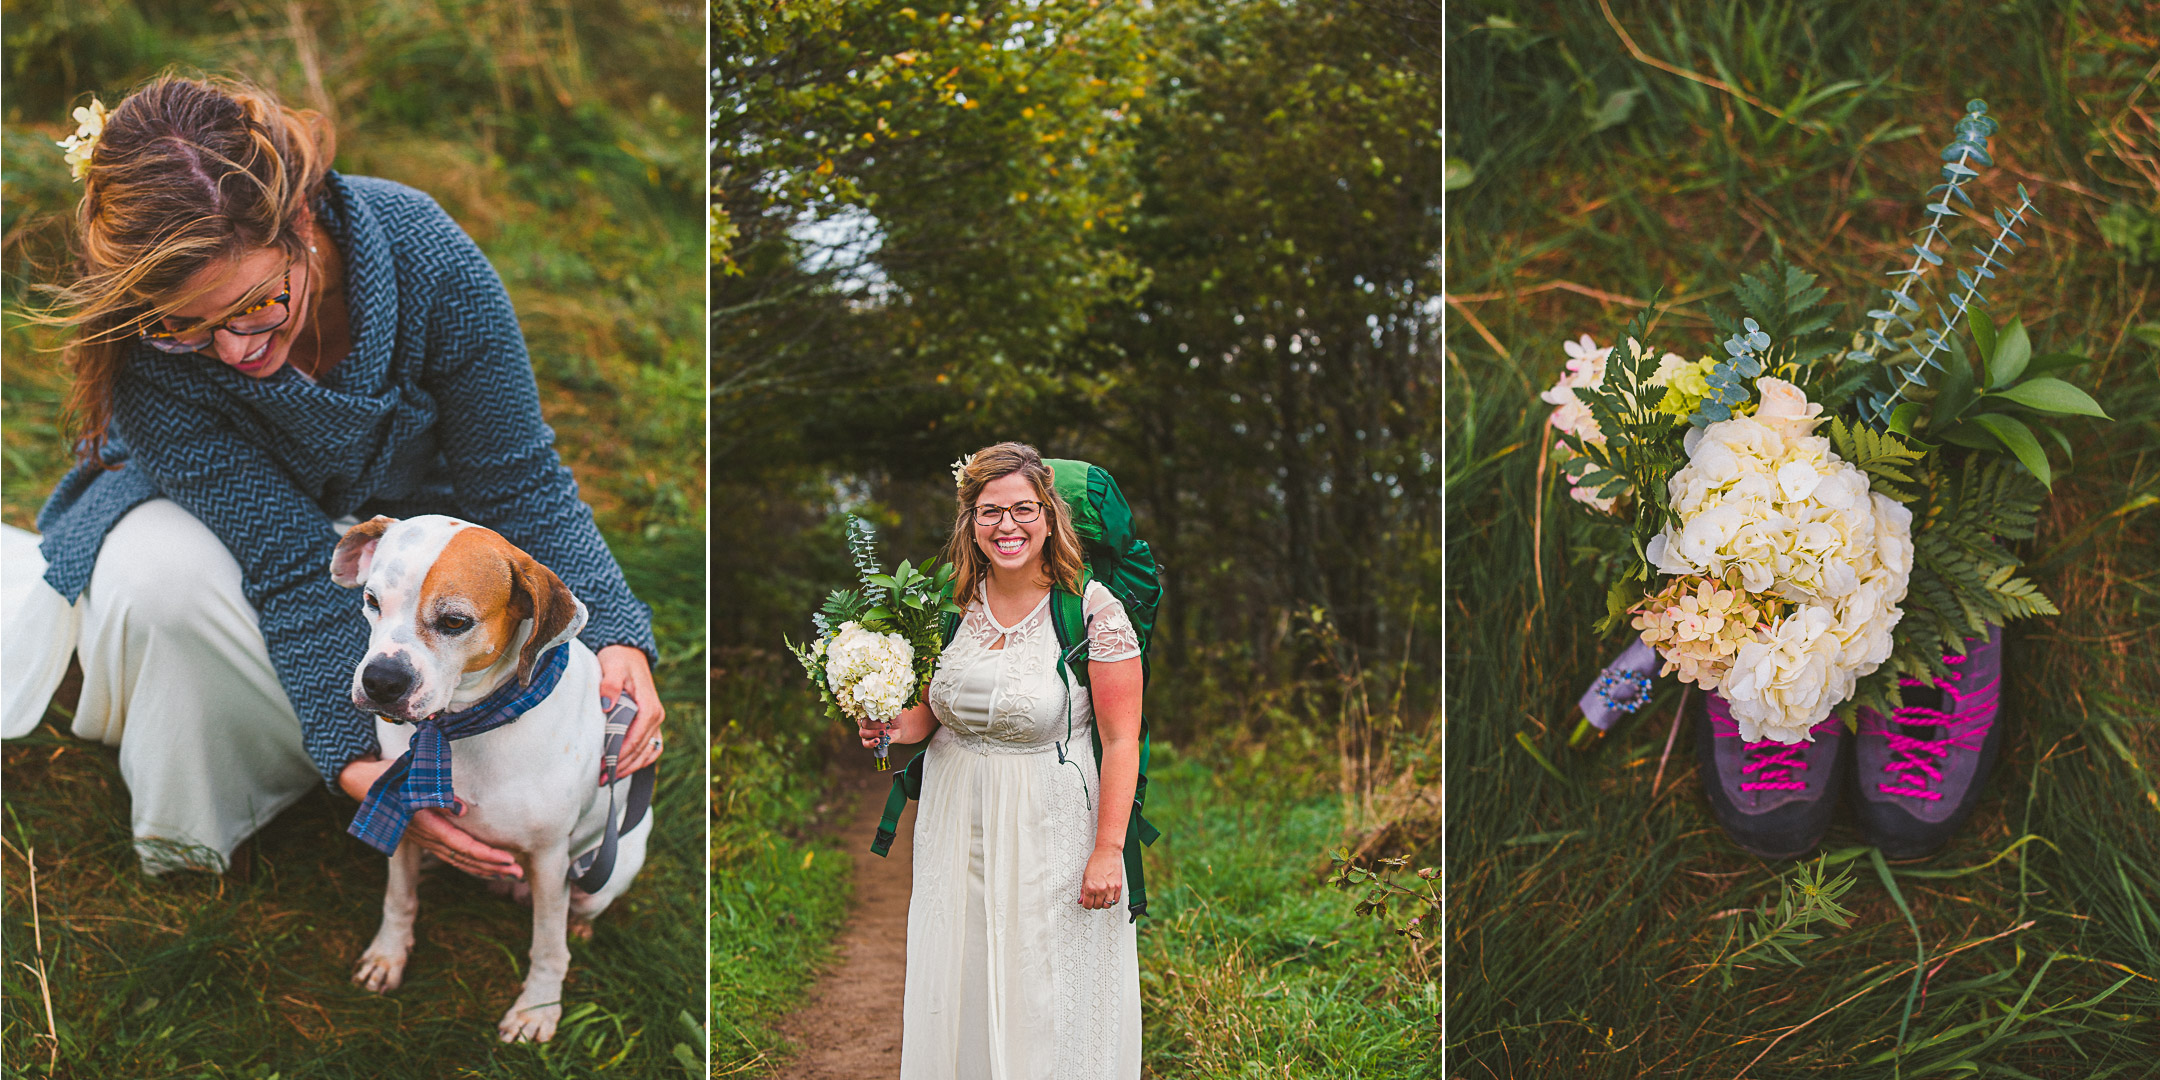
<point>1774,764</point>
<point>1964,725</point>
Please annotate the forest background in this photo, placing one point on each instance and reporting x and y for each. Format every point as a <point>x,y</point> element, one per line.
<point>565,138</point>
<point>1599,923</point>
<point>1195,242</point>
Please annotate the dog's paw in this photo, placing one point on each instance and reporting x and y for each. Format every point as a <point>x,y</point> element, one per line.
<point>536,1024</point>
<point>380,971</point>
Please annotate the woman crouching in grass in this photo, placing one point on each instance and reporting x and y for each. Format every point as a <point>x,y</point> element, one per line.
<point>264,353</point>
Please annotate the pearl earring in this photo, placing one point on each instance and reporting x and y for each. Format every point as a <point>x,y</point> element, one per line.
<point>311,249</point>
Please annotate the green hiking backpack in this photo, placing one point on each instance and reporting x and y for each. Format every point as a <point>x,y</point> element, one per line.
<point>1125,566</point>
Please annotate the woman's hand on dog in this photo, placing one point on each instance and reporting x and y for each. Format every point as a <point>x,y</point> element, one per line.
<point>624,669</point>
<point>435,831</point>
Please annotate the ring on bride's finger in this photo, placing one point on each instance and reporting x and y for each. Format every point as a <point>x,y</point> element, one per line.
<point>656,742</point>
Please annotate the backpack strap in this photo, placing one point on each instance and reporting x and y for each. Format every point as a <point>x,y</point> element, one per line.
<point>906,784</point>
<point>1068,617</point>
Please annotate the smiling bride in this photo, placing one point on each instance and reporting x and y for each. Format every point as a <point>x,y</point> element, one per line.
<point>1021,962</point>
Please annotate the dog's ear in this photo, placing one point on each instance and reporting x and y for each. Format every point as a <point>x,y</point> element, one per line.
<point>557,616</point>
<point>356,552</point>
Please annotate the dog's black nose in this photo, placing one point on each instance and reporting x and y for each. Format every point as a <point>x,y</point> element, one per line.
<point>386,679</point>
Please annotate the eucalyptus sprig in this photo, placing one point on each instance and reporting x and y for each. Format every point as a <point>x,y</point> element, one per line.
<point>1905,350</point>
<point>1732,378</point>
<point>862,547</point>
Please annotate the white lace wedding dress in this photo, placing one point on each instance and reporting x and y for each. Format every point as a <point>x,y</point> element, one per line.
<point>1008,977</point>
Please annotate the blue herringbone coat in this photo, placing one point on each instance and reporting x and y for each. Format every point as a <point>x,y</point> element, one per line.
<point>433,412</point>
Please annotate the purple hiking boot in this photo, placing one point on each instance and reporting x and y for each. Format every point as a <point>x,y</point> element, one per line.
<point>1920,769</point>
<point>1773,799</point>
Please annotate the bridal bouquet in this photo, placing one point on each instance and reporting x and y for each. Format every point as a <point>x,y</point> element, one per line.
<point>876,648</point>
<point>1811,515</point>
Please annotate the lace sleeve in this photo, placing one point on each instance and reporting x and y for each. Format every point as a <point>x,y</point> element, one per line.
<point>1111,636</point>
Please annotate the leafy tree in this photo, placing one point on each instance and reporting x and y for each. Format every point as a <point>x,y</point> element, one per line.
<point>1196,243</point>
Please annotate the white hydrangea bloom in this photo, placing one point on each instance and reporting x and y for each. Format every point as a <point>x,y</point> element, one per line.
<point>1766,505</point>
<point>872,675</point>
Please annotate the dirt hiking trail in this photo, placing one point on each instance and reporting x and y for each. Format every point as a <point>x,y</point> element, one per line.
<point>849,1029</point>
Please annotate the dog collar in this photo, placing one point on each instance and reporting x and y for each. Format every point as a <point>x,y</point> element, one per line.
<point>421,777</point>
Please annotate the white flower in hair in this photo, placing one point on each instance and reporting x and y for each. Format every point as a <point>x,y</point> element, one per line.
<point>89,127</point>
<point>960,467</point>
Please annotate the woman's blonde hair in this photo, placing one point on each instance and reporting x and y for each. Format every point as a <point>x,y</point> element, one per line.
<point>188,172</point>
<point>1062,561</point>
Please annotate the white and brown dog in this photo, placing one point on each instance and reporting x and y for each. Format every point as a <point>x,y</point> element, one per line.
<point>458,612</point>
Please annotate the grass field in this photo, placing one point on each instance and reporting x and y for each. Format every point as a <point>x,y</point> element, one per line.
<point>1250,967</point>
<point>1590,903</point>
<point>780,881</point>
<point>559,149</point>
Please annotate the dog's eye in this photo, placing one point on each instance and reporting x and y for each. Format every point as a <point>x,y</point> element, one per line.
<point>372,603</point>
<point>453,624</point>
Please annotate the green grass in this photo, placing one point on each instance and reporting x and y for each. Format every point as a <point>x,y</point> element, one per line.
<point>781,885</point>
<point>1249,966</point>
<point>246,975</point>
<point>1588,905</point>
<point>559,148</point>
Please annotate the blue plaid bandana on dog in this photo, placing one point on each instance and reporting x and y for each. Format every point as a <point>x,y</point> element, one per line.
<point>420,777</point>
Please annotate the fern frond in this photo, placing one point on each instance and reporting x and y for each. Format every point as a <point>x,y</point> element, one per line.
<point>1963,579</point>
<point>2019,595</point>
<point>1785,302</point>
<point>1882,455</point>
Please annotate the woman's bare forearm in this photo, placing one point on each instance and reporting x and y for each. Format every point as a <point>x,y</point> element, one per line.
<point>1115,689</point>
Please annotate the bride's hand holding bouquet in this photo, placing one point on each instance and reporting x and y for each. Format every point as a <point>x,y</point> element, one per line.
<point>876,648</point>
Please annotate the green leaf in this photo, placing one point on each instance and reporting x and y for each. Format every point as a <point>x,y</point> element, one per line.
<point>2054,362</point>
<point>2062,441</point>
<point>1954,392</point>
<point>1902,417</point>
<point>2019,438</point>
<point>1983,331</point>
<point>2053,395</point>
<point>1968,436</point>
<point>2007,360</point>
<point>1456,174</point>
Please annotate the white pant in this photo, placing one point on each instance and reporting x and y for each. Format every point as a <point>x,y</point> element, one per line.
<point>175,673</point>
